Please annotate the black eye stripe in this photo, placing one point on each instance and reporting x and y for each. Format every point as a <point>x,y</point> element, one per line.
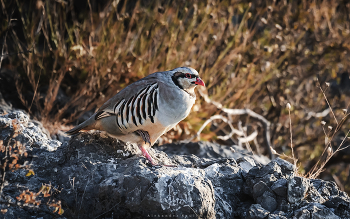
<point>183,75</point>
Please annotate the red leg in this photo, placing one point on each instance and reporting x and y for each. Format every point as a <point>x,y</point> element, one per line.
<point>145,136</point>
<point>148,156</point>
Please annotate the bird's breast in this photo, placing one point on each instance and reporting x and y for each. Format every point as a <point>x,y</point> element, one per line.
<point>174,107</point>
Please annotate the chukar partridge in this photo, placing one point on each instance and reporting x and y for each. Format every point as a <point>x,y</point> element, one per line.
<point>146,109</point>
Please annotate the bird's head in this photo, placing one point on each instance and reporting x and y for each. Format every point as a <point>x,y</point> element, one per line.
<point>186,78</point>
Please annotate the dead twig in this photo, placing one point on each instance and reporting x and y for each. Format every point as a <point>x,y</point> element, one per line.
<point>226,137</point>
<point>322,114</point>
<point>235,112</point>
<point>247,139</point>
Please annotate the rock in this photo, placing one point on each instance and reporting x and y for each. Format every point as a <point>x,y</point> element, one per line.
<point>277,215</point>
<point>257,212</point>
<point>340,203</point>
<point>210,150</point>
<point>297,188</point>
<point>259,189</point>
<point>263,195</point>
<point>227,182</point>
<point>268,174</point>
<point>246,163</point>
<point>267,201</point>
<point>335,201</point>
<point>280,187</point>
<point>314,196</point>
<point>283,205</point>
<point>287,168</point>
<point>315,210</point>
<point>95,176</point>
<point>32,133</point>
<point>160,191</point>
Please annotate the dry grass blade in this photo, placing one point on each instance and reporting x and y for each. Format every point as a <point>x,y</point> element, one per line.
<point>324,95</point>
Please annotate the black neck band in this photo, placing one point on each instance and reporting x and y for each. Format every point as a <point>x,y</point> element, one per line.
<point>176,82</point>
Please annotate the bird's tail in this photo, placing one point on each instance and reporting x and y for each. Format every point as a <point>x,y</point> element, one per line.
<point>86,125</point>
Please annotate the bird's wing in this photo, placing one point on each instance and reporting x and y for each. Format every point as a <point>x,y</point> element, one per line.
<point>134,104</point>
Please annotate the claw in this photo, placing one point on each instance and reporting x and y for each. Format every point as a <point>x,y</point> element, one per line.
<point>148,156</point>
<point>145,136</point>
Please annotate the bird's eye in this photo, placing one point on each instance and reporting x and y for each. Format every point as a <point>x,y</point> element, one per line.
<point>187,75</point>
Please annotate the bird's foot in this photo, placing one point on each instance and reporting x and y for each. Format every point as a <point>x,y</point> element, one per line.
<point>145,136</point>
<point>148,156</point>
<point>151,160</point>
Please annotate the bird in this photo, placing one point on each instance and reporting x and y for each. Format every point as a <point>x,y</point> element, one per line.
<point>146,109</point>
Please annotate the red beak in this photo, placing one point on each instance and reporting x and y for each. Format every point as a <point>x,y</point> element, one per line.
<point>199,82</point>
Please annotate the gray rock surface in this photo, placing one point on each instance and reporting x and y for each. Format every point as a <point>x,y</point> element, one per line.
<point>256,211</point>
<point>315,210</point>
<point>95,176</point>
<point>32,133</point>
<point>297,188</point>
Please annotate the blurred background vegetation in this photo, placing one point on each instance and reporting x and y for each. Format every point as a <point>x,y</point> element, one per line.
<point>63,59</point>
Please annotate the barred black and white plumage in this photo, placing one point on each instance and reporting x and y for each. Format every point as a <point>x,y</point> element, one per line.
<point>136,109</point>
<point>146,109</point>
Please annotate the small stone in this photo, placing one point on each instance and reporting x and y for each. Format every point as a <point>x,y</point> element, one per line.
<point>270,179</point>
<point>246,163</point>
<point>284,164</point>
<point>259,189</point>
<point>280,187</point>
<point>297,187</point>
<point>327,188</point>
<point>272,168</point>
<point>284,205</point>
<point>267,201</point>
<point>315,211</point>
<point>303,214</point>
<point>277,215</point>
<point>335,201</point>
<point>257,212</point>
<point>314,196</point>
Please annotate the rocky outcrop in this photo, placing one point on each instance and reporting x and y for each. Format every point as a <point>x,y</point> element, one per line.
<point>95,176</point>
